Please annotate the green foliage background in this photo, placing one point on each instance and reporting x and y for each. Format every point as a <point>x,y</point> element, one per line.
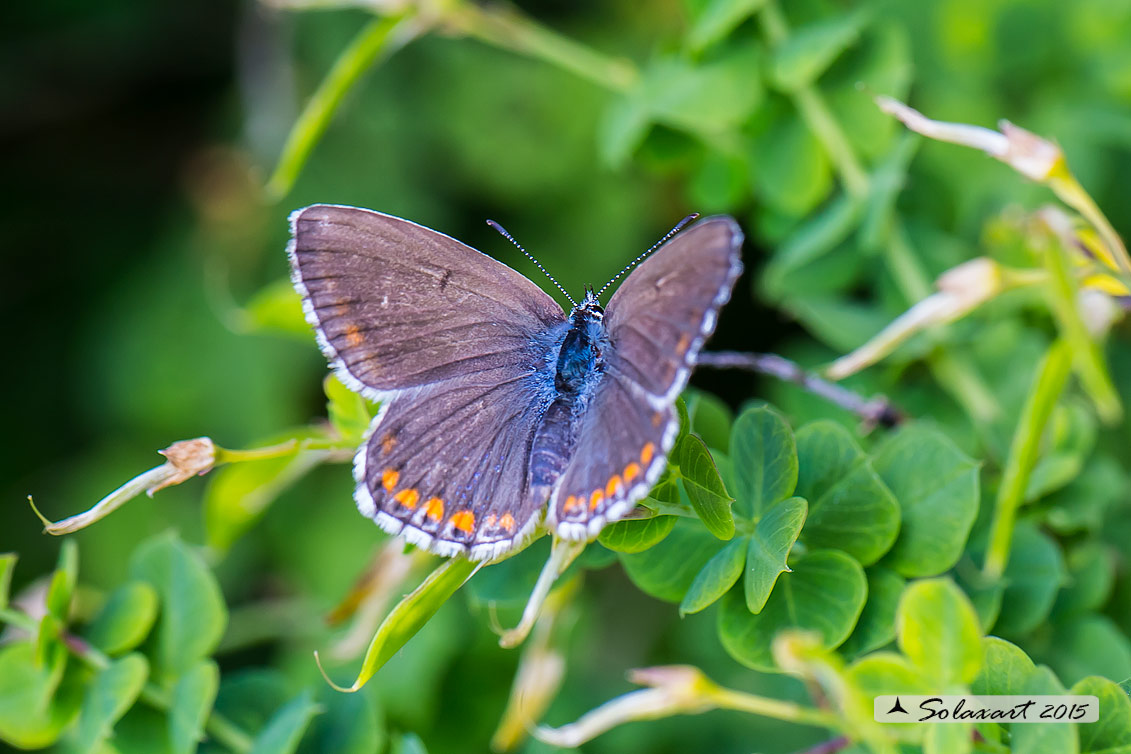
<point>141,252</point>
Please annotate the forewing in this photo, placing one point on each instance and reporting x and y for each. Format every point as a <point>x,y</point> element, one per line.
<point>657,323</point>
<point>446,464</point>
<point>660,317</point>
<point>396,305</point>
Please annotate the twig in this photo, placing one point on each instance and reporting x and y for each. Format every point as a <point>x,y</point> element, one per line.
<point>872,411</point>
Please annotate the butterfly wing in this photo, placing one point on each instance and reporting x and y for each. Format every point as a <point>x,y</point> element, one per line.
<point>657,321</point>
<point>455,345</point>
<point>396,305</point>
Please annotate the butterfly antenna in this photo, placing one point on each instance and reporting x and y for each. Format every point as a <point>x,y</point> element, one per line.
<point>509,237</point>
<point>678,227</point>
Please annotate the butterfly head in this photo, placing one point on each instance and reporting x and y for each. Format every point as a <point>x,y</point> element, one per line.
<point>589,310</point>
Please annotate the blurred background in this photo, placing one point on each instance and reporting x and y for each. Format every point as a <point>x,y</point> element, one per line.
<point>138,240</point>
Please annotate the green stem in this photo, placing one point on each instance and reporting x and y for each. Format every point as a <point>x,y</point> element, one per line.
<point>382,36</point>
<point>503,27</point>
<point>816,114</point>
<point>1087,356</point>
<point>290,447</point>
<point>1065,186</point>
<point>221,728</point>
<point>955,374</point>
<point>1052,376</point>
<point>773,708</point>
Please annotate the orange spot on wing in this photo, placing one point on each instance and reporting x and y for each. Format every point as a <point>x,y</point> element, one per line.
<point>464,521</point>
<point>408,498</point>
<point>646,453</point>
<point>353,336</point>
<point>596,499</point>
<point>684,342</point>
<point>657,417</point>
<point>507,522</point>
<point>572,502</point>
<point>389,479</point>
<point>631,471</point>
<point>491,519</point>
<point>611,487</point>
<point>434,509</point>
<point>388,442</point>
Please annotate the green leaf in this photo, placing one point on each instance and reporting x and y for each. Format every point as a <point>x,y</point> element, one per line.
<point>238,494</point>
<point>876,626</point>
<point>125,620</point>
<point>285,728</point>
<point>773,539</point>
<point>666,489</point>
<point>193,614</point>
<point>1091,576</point>
<point>710,100</point>
<point>109,696</point>
<point>936,485</point>
<point>667,570</point>
<point>1112,732</point>
<point>937,629</point>
<point>1086,645</point>
<point>7,566</point>
<point>1044,738</point>
<point>636,535</point>
<point>276,308</point>
<point>718,18</point>
<point>190,705</point>
<point>34,710</point>
<point>706,98</point>
<point>710,418</point>
<point>840,323</point>
<point>1005,671</point>
<point>882,673</point>
<point>348,411</point>
<point>410,743</point>
<point>819,234</point>
<point>717,577</point>
<point>62,587</point>
<point>411,613</point>
<point>824,594</point>
<point>349,724</point>
<point>1033,576</point>
<point>684,420</point>
<point>954,738</point>
<point>850,508</point>
<point>811,49</point>
<point>790,170</point>
<point>764,456</point>
<point>705,488</point>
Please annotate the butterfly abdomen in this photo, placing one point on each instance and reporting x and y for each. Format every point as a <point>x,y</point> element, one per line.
<point>578,370</point>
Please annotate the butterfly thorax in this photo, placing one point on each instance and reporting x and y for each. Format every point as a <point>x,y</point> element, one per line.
<point>580,358</point>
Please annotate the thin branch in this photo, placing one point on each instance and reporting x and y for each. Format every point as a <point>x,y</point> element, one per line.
<point>872,411</point>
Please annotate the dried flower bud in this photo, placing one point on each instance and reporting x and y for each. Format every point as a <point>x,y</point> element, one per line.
<point>186,459</point>
<point>1029,154</point>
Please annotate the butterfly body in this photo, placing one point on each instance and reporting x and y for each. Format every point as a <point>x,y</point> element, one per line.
<point>499,410</point>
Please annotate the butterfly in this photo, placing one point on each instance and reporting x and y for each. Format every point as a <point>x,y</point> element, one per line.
<point>499,410</point>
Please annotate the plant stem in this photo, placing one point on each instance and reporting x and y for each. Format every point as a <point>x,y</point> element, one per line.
<point>872,411</point>
<point>759,705</point>
<point>1052,376</point>
<point>1087,356</point>
<point>505,28</point>
<point>381,36</point>
<point>955,374</point>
